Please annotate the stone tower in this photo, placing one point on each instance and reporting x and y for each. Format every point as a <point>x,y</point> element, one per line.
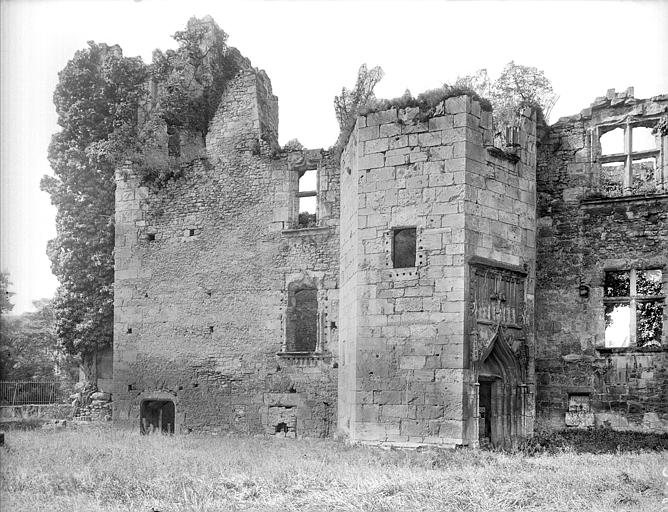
<point>437,277</point>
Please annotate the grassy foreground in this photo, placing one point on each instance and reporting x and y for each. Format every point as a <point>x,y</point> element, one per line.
<point>105,470</point>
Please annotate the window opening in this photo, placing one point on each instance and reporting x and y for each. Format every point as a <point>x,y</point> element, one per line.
<point>629,161</point>
<point>643,177</point>
<point>302,318</point>
<point>612,142</point>
<point>173,140</point>
<point>308,198</point>
<point>403,247</point>
<point>157,416</point>
<point>643,139</point>
<point>633,307</point>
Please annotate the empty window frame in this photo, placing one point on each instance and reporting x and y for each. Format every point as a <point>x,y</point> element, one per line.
<point>633,302</point>
<point>302,321</point>
<point>629,160</point>
<point>403,247</point>
<point>307,196</point>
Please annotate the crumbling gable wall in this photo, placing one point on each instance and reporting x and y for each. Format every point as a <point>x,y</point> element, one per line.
<point>204,264</point>
<point>588,226</point>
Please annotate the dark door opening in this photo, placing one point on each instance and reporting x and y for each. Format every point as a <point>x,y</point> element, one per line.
<point>485,412</point>
<point>157,416</point>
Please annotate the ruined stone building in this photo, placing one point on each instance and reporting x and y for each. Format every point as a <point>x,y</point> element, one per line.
<point>449,290</point>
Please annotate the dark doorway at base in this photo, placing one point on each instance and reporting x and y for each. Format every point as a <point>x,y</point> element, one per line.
<point>157,416</point>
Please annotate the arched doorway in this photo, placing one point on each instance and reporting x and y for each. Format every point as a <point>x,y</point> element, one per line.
<point>501,396</point>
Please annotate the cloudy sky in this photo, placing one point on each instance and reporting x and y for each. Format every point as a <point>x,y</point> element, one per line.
<point>310,49</point>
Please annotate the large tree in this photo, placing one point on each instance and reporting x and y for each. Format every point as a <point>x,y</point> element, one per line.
<point>97,98</point>
<point>29,349</point>
<point>516,86</point>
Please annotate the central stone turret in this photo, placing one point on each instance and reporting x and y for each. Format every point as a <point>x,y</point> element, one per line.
<point>437,275</point>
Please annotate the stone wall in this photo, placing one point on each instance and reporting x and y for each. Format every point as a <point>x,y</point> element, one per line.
<point>203,267</point>
<point>500,315</point>
<point>406,372</point>
<point>584,230</point>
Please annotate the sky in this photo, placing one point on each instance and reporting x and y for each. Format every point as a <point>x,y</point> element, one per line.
<point>309,49</point>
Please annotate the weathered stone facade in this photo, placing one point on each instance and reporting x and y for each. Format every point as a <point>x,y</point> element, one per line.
<point>413,341</point>
<point>203,269</point>
<point>231,315</point>
<point>587,228</point>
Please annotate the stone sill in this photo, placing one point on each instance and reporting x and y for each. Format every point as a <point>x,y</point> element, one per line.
<point>632,350</point>
<point>622,199</point>
<point>304,358</point>
<point>307,231</point>
<point>503,155</point>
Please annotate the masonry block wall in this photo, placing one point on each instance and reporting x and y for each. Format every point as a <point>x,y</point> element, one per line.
<point>205,265</point>
<point>596,221</point>
<point>453,287</point>
<point>405,355</point>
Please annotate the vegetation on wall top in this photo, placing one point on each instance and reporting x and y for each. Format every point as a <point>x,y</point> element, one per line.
<point>518,86</point>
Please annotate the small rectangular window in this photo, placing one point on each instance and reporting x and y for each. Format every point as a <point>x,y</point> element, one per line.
<point>403,247</point>
<point>308,199</point>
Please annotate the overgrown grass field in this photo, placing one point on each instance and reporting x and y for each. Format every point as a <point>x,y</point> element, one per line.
<point>105,470</point>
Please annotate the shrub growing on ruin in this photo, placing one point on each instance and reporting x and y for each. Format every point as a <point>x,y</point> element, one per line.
<point>348,104</point>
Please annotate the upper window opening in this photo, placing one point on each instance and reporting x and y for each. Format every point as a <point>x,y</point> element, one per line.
<point>643,139</point>
<point>403,247</point>
<point>308,199</point>
<point>612,142</point>
<point>629,162</point>
<point>308,182</point>
<point>633,303</point>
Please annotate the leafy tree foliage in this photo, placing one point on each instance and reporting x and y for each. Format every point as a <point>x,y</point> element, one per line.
<point>29,348</point>
<point>348,104</point>
<point>107,117</point>
<point>192,78</point>
<point>96,99</point>
<point>516,87</point>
